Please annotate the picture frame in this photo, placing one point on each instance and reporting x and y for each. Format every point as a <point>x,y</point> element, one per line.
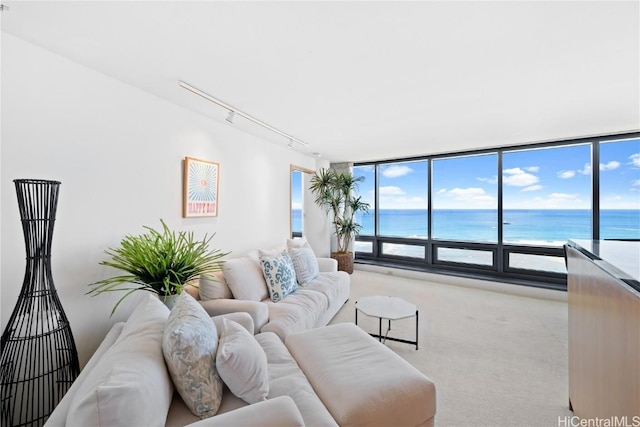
<point>200,188</point>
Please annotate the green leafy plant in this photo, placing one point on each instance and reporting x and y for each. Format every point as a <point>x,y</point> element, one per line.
<point>161,262</point>
<point>335,192</point>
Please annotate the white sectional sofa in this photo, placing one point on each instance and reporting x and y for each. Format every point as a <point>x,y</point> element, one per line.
<point>242,286</point>
<point>333,375</point>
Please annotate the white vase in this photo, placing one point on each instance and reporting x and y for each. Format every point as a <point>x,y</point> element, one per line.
<point>169,300</point>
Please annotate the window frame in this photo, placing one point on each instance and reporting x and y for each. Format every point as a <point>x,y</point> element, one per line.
<point>500,269</point>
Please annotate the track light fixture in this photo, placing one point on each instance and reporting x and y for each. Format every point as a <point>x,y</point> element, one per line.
<point>233,111</point>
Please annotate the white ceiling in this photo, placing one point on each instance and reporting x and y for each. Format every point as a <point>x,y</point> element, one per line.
<point>366,81</point>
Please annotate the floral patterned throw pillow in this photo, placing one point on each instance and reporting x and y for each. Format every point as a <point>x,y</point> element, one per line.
<point>189,345</point>
<point>279,274</point>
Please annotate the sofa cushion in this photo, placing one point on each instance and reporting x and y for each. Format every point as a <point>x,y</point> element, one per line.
<point>280,275</point>
<point>278,412</point>
<point>305,265</point>
<point>287,379</point>
<point>368,384</point>
<point>241,363</point>
<point>213,286</point>
<point>299,311</point>
<point>129,375</point>
<point>242,318</point>
<point>189,344</point>
<point>330,284</point>
<point>245,279</point>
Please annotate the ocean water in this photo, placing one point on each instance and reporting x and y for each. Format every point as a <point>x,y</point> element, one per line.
<point>544,226</point>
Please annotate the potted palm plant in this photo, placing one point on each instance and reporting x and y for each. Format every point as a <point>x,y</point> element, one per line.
<point>161,262</point>
<point>335,192</point>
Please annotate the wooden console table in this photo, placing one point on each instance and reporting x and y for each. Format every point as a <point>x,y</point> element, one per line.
<point>604,328</point>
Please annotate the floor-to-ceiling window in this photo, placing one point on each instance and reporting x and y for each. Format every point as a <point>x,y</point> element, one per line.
<point>402,203</point>
<point>504,212</point>
<point>296,203</point>
<point>465,207</point>
<point>366,190</point>
<point>547,199</point>
<point>619,173</point>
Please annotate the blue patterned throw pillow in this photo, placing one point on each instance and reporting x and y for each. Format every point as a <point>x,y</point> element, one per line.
<point>279,274</point>
<point>305,265</point>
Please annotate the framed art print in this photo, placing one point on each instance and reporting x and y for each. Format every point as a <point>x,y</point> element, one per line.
<point>200,190</point>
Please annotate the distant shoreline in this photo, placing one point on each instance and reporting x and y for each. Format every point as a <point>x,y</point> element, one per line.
<point>545,227</point>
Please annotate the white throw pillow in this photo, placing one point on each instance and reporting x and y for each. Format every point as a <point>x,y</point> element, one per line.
<point>130,384</point>
<point>298,242</point>
<point>189,344</point>
<point>280,275</point>
<point>305,264</point>
<point>245,279</point>
<point>213,286</point>
<point>242,363</point>
<point>268,252</point>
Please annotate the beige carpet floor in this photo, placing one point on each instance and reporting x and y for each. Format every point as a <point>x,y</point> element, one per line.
<point>496,359</point>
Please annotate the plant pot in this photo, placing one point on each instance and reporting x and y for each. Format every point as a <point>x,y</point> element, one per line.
<point>345,261</point>
<point>169,300</point>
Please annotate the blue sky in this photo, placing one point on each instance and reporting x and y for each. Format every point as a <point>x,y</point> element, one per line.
<point>296,190</point>
<point>552,178</point>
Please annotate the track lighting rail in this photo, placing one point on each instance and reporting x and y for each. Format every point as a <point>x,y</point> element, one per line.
<point>233,111</point>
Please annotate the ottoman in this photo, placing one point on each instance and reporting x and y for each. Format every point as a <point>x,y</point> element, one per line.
<point>361,381</point>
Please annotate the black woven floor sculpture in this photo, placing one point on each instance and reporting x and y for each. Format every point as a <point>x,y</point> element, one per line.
<point>39,359</point>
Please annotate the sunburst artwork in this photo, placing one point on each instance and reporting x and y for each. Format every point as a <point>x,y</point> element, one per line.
<point>200,192</point>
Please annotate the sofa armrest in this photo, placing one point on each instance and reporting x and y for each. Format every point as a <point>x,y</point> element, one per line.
<point>277,412</point>
<point>327,265</point>
<point>59,415</point>
<point>258,311</point>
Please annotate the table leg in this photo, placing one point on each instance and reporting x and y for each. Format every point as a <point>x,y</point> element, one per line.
<point>380,329</point>
<point>416,329</point>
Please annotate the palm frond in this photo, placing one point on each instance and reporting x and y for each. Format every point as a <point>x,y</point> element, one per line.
<point>335,192</point>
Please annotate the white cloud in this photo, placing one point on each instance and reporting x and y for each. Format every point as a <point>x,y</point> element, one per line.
<point>493,180</point>
<point>472,194</point>
<point>442,191</point>
<point>518,178</point>
<point>587,169</point>
<point>396,171</point>
<point>409,200</point>
<point>467,192</point>
<point>551,201</point>
<point>532,168</point>
<point>392,197</point>
<point>533,188</point>
<point>566,174</point>
<point>635,183</point>
<point>635,160</point>
<point>618,201</point>
<point>563,196</point>
<point>609,166</point>
<point>390,190</point>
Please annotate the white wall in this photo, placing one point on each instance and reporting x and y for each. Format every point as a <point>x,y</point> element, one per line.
<point>117,151</point>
